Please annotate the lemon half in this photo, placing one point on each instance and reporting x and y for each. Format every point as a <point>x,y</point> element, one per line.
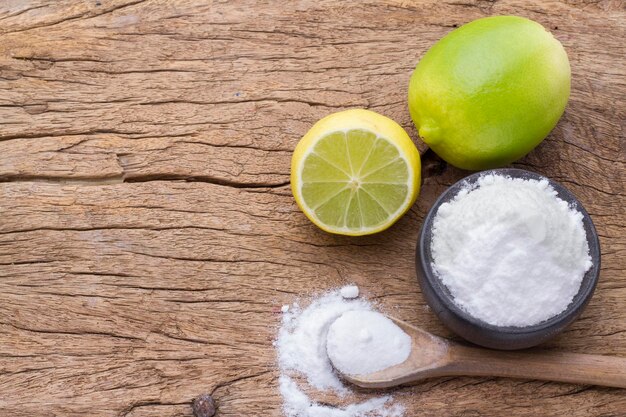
<point>355,173</point>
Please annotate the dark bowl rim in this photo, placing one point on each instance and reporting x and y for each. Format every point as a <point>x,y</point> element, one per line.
<point>579,300</point>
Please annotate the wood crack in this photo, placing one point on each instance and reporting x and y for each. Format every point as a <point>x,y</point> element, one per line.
<point>573,391</point>
<point>86,14</point>
<point>126,411</point>
<point>75,333</point>
<point>141,178</point>
<point>63,134</point>
<point>238,379</point>
<point>205,178</point>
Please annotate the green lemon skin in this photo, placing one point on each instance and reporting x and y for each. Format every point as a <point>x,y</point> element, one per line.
<point>490,91</point>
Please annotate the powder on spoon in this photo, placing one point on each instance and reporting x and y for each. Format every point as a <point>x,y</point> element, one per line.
<point>362,342</point>
<point>511,252</point>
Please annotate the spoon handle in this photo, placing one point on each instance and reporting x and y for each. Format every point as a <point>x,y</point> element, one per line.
<point>545,365</point>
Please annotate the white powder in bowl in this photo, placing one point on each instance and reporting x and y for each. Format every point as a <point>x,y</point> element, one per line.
<point>510,251</point>
<point>362,342</point>
<point>301,348</point>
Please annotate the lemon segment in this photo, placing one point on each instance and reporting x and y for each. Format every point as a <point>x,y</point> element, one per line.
<point>355,173</point>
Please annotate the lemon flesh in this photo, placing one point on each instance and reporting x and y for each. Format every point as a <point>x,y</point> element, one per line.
<point>490,91</point>
<point>355,173</point>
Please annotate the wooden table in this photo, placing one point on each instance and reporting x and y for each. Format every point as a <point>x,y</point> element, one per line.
<point>148,235</point>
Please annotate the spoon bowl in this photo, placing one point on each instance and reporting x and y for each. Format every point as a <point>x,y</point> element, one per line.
<point>428,355</point>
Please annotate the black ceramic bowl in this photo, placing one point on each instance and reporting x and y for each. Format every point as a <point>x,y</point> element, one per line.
<point>477,331</point>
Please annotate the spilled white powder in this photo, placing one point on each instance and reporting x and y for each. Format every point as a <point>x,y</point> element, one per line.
<point>298,404</point>
<point>362,342</point>
<point>349,291</point>
<point>302,353</point>
<point>510,251</point>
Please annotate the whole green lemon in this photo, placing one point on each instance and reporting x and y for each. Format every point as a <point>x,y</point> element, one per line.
<point>490,91</point>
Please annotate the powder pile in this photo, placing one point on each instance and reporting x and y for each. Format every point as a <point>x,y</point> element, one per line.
<point>302,353</point>
<point>510,251</point>
<point>362,342</point>
<point>349,291</point>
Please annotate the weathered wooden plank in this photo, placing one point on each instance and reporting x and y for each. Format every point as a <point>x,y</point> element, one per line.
<point>147,231</point>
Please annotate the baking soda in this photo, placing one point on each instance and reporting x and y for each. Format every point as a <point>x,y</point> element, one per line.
<point>349,291</point>
<point>362,342</point>
<point>302,354</point>
<point>510,251</point>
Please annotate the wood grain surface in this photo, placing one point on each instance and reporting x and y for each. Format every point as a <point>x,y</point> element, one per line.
<point>148,235</point>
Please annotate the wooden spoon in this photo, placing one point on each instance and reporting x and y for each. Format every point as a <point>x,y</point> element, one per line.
<point>433,356</point>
